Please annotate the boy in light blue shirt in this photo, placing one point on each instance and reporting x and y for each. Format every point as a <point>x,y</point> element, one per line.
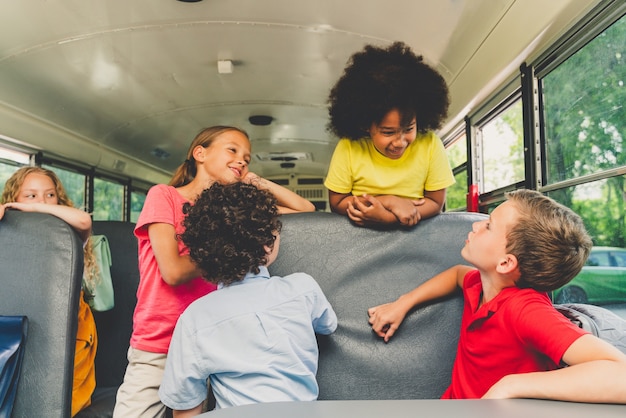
<point>254,337</point>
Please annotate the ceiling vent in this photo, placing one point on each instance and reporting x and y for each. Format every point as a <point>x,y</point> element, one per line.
<point>160,153</point>
<point>260,120</point>
<point>284,156</point>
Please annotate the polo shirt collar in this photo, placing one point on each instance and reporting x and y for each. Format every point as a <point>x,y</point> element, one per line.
<point>474,293</point>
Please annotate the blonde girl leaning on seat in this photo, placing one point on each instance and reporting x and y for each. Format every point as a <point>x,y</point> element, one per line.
<point>35,189</point>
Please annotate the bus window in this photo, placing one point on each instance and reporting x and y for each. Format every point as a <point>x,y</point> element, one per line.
<point>108,199</point>
<point>503,149</point>
<point>457,155</point>
<point>136,204</point>
<point>584,163</point>
<point>73,183</point>
<point>584,109</point>
<point>9,162</point>
<point>600,207</point>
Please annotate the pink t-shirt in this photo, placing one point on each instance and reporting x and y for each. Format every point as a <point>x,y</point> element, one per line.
<point>519,331</point>
<point>158,304</point>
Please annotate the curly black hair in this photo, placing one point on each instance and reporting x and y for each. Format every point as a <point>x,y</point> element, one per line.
<point>378,80</point>
<point>227,229</point>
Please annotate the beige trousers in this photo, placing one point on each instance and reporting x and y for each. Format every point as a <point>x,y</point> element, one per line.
<point>138,396</point>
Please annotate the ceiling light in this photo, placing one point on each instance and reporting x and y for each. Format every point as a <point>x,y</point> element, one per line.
<point>224,66</point>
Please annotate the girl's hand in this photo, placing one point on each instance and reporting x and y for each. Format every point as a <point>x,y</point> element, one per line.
<point>251,178</point>
<point>287,201</point>
<point>367,210</point>
<point>404,209</point>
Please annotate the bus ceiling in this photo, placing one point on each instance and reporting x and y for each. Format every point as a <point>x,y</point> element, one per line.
<point>125,85</point>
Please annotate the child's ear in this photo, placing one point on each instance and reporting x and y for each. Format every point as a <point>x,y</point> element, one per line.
<point>198,153</point>
<point>507,264</point>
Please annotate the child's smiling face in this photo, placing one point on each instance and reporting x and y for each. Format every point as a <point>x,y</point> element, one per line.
<point>390,138</point>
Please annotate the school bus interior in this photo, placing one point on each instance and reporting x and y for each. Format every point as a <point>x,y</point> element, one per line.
<point>109,94</point>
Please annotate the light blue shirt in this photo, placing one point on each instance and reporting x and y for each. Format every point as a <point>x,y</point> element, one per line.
<point>255,341</point>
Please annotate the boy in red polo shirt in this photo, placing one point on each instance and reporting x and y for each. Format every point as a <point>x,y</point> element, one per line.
<point>513,343</point>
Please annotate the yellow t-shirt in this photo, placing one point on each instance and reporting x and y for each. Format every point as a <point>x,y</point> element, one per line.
<point>358,168</point>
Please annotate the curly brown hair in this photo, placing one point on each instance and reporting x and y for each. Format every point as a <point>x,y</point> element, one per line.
<point>549,241</point>
<point>378,80</point>
<point>228,229</point>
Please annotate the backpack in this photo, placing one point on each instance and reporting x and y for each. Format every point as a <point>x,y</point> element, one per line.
<point>599,321</point>
<point>103,296</point>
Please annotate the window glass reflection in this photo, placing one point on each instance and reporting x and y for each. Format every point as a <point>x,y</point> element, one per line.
<point>585,108</point>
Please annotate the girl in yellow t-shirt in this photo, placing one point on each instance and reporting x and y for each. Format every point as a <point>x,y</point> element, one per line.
<point>389,168</point>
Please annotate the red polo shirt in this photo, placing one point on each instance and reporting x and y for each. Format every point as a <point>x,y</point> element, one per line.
<point>519,331</point>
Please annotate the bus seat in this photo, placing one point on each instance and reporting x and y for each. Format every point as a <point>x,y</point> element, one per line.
<point>41,266</point>
<point>115,326</point>
<point>358,268</point>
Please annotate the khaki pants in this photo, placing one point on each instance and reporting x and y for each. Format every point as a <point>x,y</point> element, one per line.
<point>138,396</point>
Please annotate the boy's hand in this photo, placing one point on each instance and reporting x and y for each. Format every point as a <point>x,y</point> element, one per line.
<point>386,319</point>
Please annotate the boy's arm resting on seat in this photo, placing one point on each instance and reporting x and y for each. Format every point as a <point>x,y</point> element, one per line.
<point>175,268</point>
<point>386,319</point>
<point>596,374</point>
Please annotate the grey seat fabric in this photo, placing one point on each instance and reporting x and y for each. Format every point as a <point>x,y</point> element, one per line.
<point>41,266</point>
<point>358,268</point>
<point>599,321</point>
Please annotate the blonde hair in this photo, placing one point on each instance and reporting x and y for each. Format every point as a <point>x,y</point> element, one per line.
<point>549,241</point>
<point>186,172</point>
<point>11,192</point>
<point>14,184</point>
